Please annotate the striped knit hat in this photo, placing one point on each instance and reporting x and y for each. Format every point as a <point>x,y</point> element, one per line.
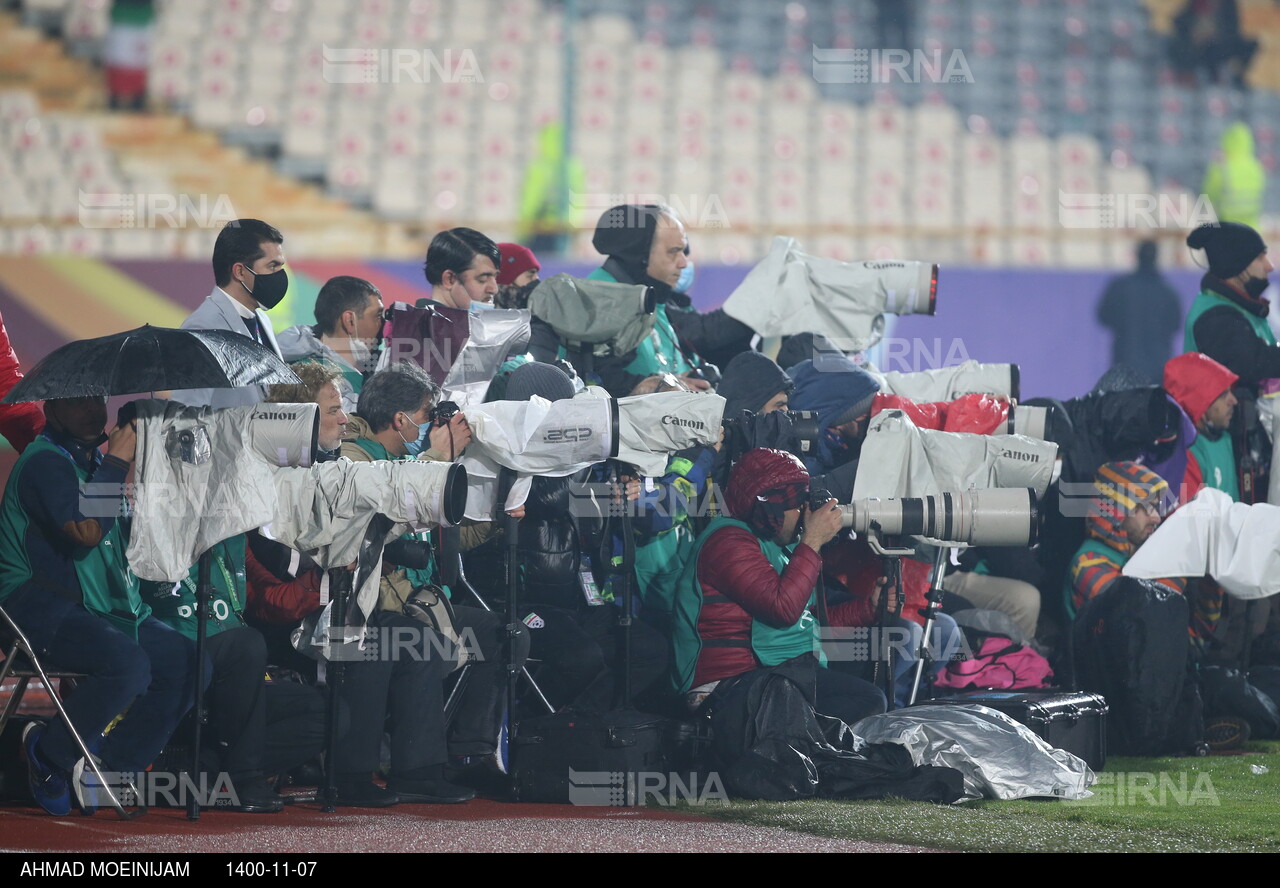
<point>1121,487</point>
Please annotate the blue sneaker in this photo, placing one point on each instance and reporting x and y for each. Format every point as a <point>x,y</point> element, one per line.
<point>48,785</point>
<point>89,792</point>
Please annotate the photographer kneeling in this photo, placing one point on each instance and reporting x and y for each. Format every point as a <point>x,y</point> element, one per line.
<point>743,602</point>
<point>397,419</point>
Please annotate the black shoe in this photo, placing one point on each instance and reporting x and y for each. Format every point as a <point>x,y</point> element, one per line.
<point>308,774</point>
<point>256,797</point>
<point>364,793</point>
<point>436,791</point>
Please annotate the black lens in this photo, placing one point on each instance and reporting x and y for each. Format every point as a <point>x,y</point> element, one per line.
<point>804,423</point>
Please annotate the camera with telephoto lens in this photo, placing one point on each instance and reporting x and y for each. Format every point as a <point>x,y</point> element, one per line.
<point>440,414</point>
<point>796,431</point>
<point>994,517</point>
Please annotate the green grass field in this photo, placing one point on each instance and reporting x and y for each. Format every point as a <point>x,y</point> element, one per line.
<point>1217,803</point>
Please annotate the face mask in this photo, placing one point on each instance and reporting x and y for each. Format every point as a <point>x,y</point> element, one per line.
<point>686,279</point>
<point>361,354</point>
<point>478,306</point>
<point>1255,287</point>
<point>413,448</point>
<point>268,289</point>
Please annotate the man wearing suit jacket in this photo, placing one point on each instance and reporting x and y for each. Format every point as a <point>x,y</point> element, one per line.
<point>248,270</point>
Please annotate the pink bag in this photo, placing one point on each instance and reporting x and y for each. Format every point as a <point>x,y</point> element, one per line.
<point>999,663</point>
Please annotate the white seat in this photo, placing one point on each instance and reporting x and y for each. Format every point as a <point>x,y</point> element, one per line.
<point>306,131</point>
<point>609,31</point>
<point>1029,250</point>
<point>1076,152</point>
<point>643,175</point>
<point>786,204</point>
<point>401,145</point>
<point>349,174</point>
<point>142,243</point>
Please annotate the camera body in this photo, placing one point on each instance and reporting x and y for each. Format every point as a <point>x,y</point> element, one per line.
<point>442,413</point>
<point>796,431</point>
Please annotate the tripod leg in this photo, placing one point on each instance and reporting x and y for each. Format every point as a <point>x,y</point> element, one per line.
<point>934,597</point>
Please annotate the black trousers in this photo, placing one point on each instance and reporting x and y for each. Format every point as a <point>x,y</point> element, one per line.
<point>397,688</point>
<point>256,727</point>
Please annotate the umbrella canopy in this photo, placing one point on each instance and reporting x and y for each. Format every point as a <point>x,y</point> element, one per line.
<point>151,359</point>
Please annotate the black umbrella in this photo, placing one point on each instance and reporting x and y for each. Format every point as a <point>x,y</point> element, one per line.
<point>151,359</point>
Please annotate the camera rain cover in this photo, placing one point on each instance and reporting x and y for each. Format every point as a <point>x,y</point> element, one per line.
<point>899,460</point>
<point>790,292</point>
<point>582,310</point>
<point>949,383</point>
<point>652,427</point>
<point>1236,544</point>
<point>460,351</point>
<point>492,337</point>
<point>534,437</point>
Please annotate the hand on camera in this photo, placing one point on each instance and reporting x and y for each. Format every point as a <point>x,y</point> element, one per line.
<point>628,486</point>
<point>122,443</point>
<point>821,525</point>
<point>451,438</point>
<point>695,383</point>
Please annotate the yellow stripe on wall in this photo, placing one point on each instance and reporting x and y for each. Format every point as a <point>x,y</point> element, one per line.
<point>63,305</point>
<point>109,286</point>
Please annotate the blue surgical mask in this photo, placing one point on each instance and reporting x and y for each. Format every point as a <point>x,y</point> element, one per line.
<point>686,279</point>
<point>413,448</point>
<point>477,306</point>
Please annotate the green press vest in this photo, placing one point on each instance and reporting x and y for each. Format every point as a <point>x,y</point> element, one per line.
<point>770,645</point>
<point>106,584</point>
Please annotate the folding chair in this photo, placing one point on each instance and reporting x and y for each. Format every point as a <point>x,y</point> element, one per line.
<point>21,662</point>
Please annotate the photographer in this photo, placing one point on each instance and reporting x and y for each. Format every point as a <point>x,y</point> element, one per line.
<point>573,622</point>
<point>647,244</point>
<point>65,582</point>
<point>841,393</point>
<point>743,604</point>
<point>1129,504</point>
<point>752,381</point>
<point>399,418</point>
<point>347,333</point>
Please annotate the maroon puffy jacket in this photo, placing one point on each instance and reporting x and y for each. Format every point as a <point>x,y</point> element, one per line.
<point>739,585</point>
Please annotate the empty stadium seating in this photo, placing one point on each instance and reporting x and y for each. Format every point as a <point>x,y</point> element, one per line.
<point>428,113</point>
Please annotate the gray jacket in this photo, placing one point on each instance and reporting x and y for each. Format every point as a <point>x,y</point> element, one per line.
<point>215,314</point>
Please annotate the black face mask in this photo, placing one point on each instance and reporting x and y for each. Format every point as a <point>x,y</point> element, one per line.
<point>268,289</point>
<point>1255,287</point>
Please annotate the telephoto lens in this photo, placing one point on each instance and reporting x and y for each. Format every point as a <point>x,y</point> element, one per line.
<point>995,517</point>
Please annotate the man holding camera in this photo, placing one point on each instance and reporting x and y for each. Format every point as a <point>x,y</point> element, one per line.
<point>646,244</point>
<point>743,603</point>
<point>65,581</point>
<point>399,418</point>
<point>841,393</point>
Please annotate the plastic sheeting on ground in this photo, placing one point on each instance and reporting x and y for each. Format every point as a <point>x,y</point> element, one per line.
<point>999,758</point>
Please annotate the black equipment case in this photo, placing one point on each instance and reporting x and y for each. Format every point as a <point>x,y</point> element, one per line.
<point>1070,720</point>
<point>588,759</point>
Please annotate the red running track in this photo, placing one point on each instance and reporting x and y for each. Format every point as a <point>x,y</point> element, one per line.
<point>481,825</point>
